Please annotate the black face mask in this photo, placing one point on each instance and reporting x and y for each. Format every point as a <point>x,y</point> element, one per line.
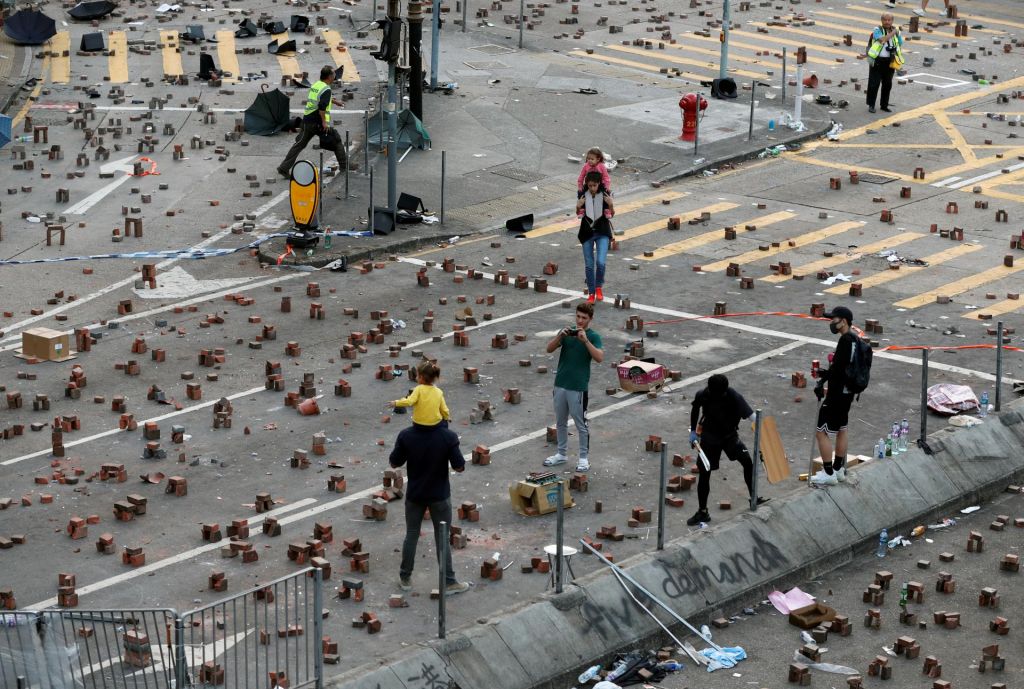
<point>834,327</point>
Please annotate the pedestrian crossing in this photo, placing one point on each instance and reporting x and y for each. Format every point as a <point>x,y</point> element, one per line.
<point>965,284</point>
<point>833,261</point>
<point>883,277</point>
<point>652,200</point>
<point>705,238</point>
<point>63,60</point>
<point>786,244</point>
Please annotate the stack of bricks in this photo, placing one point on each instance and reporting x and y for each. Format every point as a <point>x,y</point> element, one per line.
<point>7,601</point>
<point>991,660</point>
<point>999,625</point>
<point>239,529</point>
<point>299,553</point>
<point>975,542</point>
<point>376,509</point>
<point>579,482</point>
<point>329,650</point>
<point>274,379</point>
<point>323,532</point>
<point>1000,521</point>
<point>336,483</point>
<point>83,339</point>
<point>66,596</point>
<point>481,455</point>
<point>490,569</point>
<point>342,388</point>
<point>678,483</point>
<point>319,447</point>
<point>137,651</point>
<point>77,528</point>
<point>177,434</point>
<point>932,667</point>
<point>307,388</point>
<point>988,598</point>
<point>299,459</point>
<point>57,441</point>
<point>799,674</point>
<point>152,450</point>
<point>653,443</point>
<point>873,619</point>
<point>949,620</point>
<point>105,544</point>
<point>945,583</point>
<point>469,511</point>
<point>42,402</point>
<point>322,564</point>
<point>271,527</point>
<point>218,581</point>
<point>351,588</point>
<point>133,506</point>
<point>113,471</point>
<point>211,673</point>
<point>537,564</point>
<point>211,532</point>
<point>639,515</point>
<point>369,621</point>
<point>133,556</point>
<point>177,486</point>
<point>879,667</point>
<point>610,533</point>
<point>457,539</point>
<point>117,404</point>
<point>75,383</point>
<point>1010,563</point>
<point>907,646</point>
<point>222,411</point>
<point>264,503</point>
<point>359,561</point>
<point>393,484</point>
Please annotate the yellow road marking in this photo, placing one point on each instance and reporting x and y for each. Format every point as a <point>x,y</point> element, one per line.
<point>117,63</point>
<point>905,16</point>
<point>799,240</point>
<point>956,138</point>
<point>574,222</point>
<point>31,100</point>
<point>60,66</point>
<point>981,94</point>
<point>660,55</point>
<point>958,286</point>
<point>755,47</point>
<point>288,64</point>
<point>839,259</point>
<point>1001,180</point>
<point>869,25</point>
<point>342,56</point>
<point>447,247</point>
<point>633,63</point>
<point>172,58</point>
<point>711,236</point>
<point>647,228</point>
<point>996,309</point>
<point>226,55</point>
<point>884,276</point>
<point>819,35</point>
<point>766,60</point>
<point>863,42</point>
<point>794,44</point>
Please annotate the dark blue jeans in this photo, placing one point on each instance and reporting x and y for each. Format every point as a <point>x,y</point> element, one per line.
<point>440,511</point>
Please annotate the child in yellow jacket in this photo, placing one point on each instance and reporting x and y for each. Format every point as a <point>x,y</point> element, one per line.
<point>426,399</point>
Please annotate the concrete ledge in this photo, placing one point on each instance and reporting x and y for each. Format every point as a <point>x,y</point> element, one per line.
<point>718,570</point>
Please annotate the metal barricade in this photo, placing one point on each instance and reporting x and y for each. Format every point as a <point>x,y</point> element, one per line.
<point>267,636</point>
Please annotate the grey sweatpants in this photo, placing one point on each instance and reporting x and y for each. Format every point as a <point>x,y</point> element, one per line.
<point>571,403</point>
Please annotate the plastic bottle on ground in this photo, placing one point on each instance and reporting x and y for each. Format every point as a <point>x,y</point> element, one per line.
<point>983,409</point>
<point>883,543</point>
<point>590,674</point>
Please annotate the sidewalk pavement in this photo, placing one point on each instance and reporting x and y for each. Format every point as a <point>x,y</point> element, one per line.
<point>509,132</point>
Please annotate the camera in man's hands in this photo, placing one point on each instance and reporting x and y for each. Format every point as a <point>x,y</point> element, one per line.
<point>571,332</point>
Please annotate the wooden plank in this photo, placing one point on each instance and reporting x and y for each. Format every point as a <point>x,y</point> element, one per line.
<point>773,454</point>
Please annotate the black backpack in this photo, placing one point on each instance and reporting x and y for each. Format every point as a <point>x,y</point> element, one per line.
<point>858,371</point>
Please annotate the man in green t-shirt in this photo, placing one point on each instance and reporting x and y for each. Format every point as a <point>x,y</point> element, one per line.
<point>580,345</point>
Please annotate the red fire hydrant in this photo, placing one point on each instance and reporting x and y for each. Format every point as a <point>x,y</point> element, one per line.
<point>688,104</point>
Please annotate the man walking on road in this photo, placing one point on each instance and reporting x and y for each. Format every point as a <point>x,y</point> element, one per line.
<point>428,451</point>
<point>316,121</point>
<point>885,55</point>
<point>834,411</point>
<point>580,345</point>
<point>714,422</point>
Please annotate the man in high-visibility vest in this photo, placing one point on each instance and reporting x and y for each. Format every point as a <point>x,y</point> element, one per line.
<point>885,55</point>
<point>316,121</point>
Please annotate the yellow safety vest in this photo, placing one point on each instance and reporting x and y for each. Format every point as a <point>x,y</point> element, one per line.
<point>896,53</point>
<point>313,100</point>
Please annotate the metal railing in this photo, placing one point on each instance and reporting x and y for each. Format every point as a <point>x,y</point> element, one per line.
<point>269,635</point>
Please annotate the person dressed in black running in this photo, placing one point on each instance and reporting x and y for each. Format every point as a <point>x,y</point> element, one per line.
<point>714,422</point>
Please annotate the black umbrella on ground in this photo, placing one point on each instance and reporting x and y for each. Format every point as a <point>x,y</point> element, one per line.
<point>268,114</point>
<point>87,11</point>
<point>287,47</point>
<point>207,68</point>
<point>246,29</point>
<point>29,27</point>
<point>274,27</point>
<point>299,22</point>
<point>91,43</point>
<point>193,34</point>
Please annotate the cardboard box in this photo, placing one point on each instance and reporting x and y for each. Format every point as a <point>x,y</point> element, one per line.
<point>810,616</point>
<point>46,344</point>
<point>641,376</point>
<point>532,499</point>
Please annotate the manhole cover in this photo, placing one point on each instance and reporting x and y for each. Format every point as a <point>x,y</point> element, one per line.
<point>872,178</point>
<point>492,49</point>
<point>519,174</point>
<point>497,64</point>
<point>642,164</point>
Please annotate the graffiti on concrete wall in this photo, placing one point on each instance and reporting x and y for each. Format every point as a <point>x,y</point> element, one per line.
<point>693,578</point>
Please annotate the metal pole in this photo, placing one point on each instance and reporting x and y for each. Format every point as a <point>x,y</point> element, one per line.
<point>443,161</point>
<point>723,67</point>
<point>924,397</point>
<point>661,497</point>
<point>559,532</point>
<point>464,6</point>
<point>522,21</point>
<point>696,128</point>
<point>999,362</point>
<point>783,77</point>
<point>799,101</point>
<point>180,663</point>
<point>370,219</point>
<point>757,460</point>
<point>320,196</point>
<point>435,39</point>
<point>416,58</point>
<point>346,162</point>
<point>318,625</point>
<point>750,126</point>
<point>366,142</point>
<point>442,582</point>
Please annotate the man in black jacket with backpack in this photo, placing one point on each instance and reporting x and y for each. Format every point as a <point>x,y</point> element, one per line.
<point>834,410</point>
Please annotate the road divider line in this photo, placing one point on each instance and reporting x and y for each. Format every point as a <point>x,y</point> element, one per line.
<point>839,259</point>
<point>172,58</point>
<point>712,236</point>
<point>226,55</point>
<point>884,276</point>
<point>627,207</point>
<point>117,62</point>
<point>60,50</point>
<point>662,223</point>
<point>951,289</point>
<point>784,245</point>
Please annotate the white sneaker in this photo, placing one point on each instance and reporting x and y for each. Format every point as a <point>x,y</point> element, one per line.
<point>583,465</point>
<point>823,479</point>
<point>919,12</point>
<point>840,474</point>
<point>555,460</point>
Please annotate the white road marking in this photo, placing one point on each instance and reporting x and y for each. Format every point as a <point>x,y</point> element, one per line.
<point>181,108</point>
<point>124,166</point>
<point>944,182</point>
<point>180,557</point>
<point>178,283</point>
<point>987,175</point>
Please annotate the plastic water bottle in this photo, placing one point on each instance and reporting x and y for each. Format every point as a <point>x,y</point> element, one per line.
<point>705,632</point>
<point>888,445</point>
<point>617,671</point>
<point>771,125</point>
<point>904,436</point>
<point>895,431</point>
<point>883,543</point>
<point>880,449</point>
<point>590,674</point>
<point>23,139</point>
<point>671,665</point>
<point>983,410</point>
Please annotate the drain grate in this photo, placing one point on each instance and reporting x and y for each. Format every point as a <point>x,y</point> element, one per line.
<point>872,178</point>
<point>495,64</point>
<point>639,164</point>
<point>519,174</point>
<point>492,49</point>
